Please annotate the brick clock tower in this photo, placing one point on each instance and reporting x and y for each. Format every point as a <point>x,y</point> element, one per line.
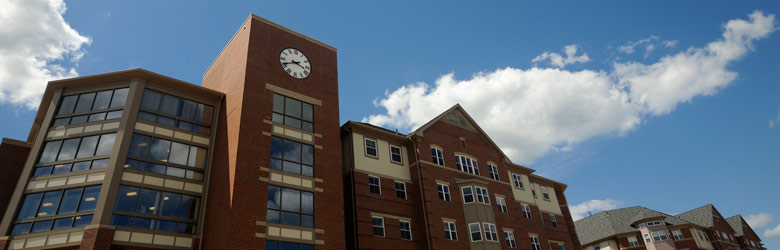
<point>276,176</point>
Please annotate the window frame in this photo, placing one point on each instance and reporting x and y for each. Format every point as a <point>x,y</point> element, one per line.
<point>401,228</point>
<point>301,162</point>
<point>491,233</point>
<point>285,116</point>
<point>437,156</point>
<point>378,184</point>
<point>402,191</point>
<point>633,243</point>
<point>471,194</point>
<point>517,181</point>
<point>478,232</point>
<point>535,244</point>
<point>501,204</point>
<point>493,172</point>
<point>467,164</point>
<point>300,213</point>
<point>450,231</point>
<point>400,155</point>
<point>545,194</point>
<point>509,237</point>
<point>443,190</point>
<point>482,195</point>
<point>526,211</point>
<point>553,221</point>
<point>366,147</point>
<point>374,226</point>
<point>676,233</point>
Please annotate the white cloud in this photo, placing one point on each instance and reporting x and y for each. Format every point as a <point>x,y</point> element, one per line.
<point>772,232</point>
<point>670,43</point>
<point>559,61</point>
<point>582,210</point>
<point>772,123</point>
<point>629,47</point>
<point>35,40</point>
<point>758,220</point>
<point>529,112</point>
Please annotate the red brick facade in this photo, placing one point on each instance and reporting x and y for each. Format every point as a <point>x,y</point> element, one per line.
<point>13,154</point>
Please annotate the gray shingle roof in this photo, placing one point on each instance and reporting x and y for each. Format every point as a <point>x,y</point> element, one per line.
<point>618,221</point>
<point>736,223</point>
<point>701,215</point>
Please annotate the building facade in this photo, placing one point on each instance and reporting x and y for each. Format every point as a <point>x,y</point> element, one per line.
<point>446,185</point>
<point>643,228</point>
<point>137,160</point>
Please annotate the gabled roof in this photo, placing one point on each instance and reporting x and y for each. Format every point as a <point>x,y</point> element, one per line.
<point>738,223</point>
<point>701,215</point>
<point>618,221</point>
<point>457,108</point>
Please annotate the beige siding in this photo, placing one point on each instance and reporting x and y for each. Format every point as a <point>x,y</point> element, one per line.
<point>382,164</point>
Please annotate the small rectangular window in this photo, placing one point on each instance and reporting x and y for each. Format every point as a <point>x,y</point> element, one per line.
<point>395,154</point>
<point>400,190</point>
<point>678,235</point>
<point>406,230</point>
<point>632,241</point>
<point>493,171</point>
<point>501,202</point>
<point>438,156</point>
<point>553,221</point>
<point>475,231</point>
<point>443,191</point>
<point>374,185</point>
<point>517,180</point>
<point>491,234</point>
<point>370,147</point>
<point>378,225</point>
<point>482,195</point>
<point>450,231</point>
<point>510,239</point>
<point>545,194</point>
<point>535,245</point>
<point>468,194</point>
<point>526,210</point>
<point>647,238</point>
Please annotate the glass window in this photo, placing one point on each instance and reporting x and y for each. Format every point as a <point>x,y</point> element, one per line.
<point>63,223</point>
<point>526,210</point>
<point>61,122</point>
<point>545,194</point>
<point>179,153</point>
<point>80,221</point>
<point>482,195</point>
<point>88,146</point>
<point>122,220</point>
<point>468,195</point>
<point>374,185</point>
<point>444,191</point>
<point>535,245</point>
<point>493,171</point>
<point>67,105</point>
<point>139,145</point>
<point>450,231</point>
<point>438,157</point>
<point>406,230</point>
<point>197,157</point>
<point>169,104</point>
<point>41,171</point>
<point>120,97</point>
<point>68,150</point>
<point>50,151</point>
<point>517,180</point>
<point>297,207</point>
<point>292,157</point>
<point>466,164</point>
<point>378,224</point>
<point>400,190</point>
<point>188,109</point>
<point>475,231</point>
<point>501,203</point>
<point>106,144</point>
<point>114,115</point>
<point>510,239</point>
<point>395,154</point>
<point>89,199</point>
<point>189,207</point>
<point>151,100</point>
<point>102,100</point>
<point>165,225</point>
<point>148,201</point>
<point>49,204</point>
<point>85,102</point>
<point>127,198</point>
<point>553,221</point>
<point>22,228</point>
<point>41,226</point>
<point>159,150</point>
<point>97,117</point>
<point>29,206</point>
<point>78,119</point>
<point>70,201</point>
<point>169,206</point>
<point>371,147</point>
<point>491,234</point>
<point>143,223</point>
<point>61,168</point>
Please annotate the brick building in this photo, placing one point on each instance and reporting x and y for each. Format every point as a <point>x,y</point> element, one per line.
<point>643,228</point>
<point>446,185</point>
<point>13,154</point>
<point>137,160</point>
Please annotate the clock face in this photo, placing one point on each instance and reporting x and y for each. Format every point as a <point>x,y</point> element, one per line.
<point>295,63</point>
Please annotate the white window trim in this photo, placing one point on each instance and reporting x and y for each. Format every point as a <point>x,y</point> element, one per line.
<point>406,197</point>
<point>490,229</point>
<point>365,147</point>
<point>400,154</point>
<point>446,192</point>
<point>485,197</point>
<point>518,180</point>
<point>633,243</point>
<point>510,237</point>
<point>501,203</point>
<point>373,226</point>
<point>493,171</point>
<point>675,233</point>
<point>545,194</point>
<point>535,244</point>
<point>447,230</point>
<point>440,160</point>
<point>554,221</point>
<point>463,195</point>
<point>401,229</point>
<point>471,233</point>
<point>379,180</point>
<point>526,211</point>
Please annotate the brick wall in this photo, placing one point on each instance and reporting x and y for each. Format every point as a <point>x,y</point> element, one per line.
<point>13,154</point>
<point>97,238</point>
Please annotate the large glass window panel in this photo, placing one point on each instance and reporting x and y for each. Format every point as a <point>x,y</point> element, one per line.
<point>289,218</point>
<point>165,225</point>
<point>49,203</point>
<point>23,228</point>
<point>271,245</point>
<point>50,151</point>
<point>307,154</point>
<point>85,102</point>
<point>292,107</point>
<point>102,163</point>
<point>148,202</point>
<point>176,172</point>
<point>169,206</point>
<point>114,115</point>
<point>133,164</point>
<point>291,200</point>
<point>179,153</point>
<point>41,171</point>
<point>160,149</point>
<point>197,157</point>
<point>102,100</point>
<point>106,144</point>
<point>274,197</point>
<point>307,114</point>
<point>126,198</point>
<point>139,145</point>
<point>88,146</point>
<point>78,119</point>
<point>143,223</point>
<point>291,167</point>
<point>186,228</point>
<point>169,104</point>
<point>121,220</point>
<point>278,103</point>
<point>292,151</point>
<point>80,221</point>
<point>63,223</point>
<point>166,121</point>
<point>149,117</point>
<point>276,147</point>
<point>156,168</point>
<point>273,216</point>
<point>68,150</point>
<point>151,100</point>
<point>120,97</point>
<point>97,117</point>
<point>292,122</point>
<point>29,206</point>
<point>81,166</point>
<point>307,202</point>
<point>61,168</point>
<point>41,226</point>
<point>61,122</point>
<point>307,221</point>
<point>188,109</point>
<point>89,199</point>
<point>189,207</point>
<point>67,105</point>
<point>70,201</point>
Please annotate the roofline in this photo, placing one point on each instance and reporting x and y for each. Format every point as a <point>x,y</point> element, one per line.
<point>15,142</point>
<point>255,17</point>
<point>350,124</point>
<point>564,186</point>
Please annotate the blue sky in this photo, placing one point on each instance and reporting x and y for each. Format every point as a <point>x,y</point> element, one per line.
<point>620,128</point>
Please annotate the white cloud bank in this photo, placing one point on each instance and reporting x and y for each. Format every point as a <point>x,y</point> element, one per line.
<point>772,232</point>
<point>559,61</point>
<point>34,41</point>
<point>582,210</point>
<point>529,112</point>
<point>758,220</point>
